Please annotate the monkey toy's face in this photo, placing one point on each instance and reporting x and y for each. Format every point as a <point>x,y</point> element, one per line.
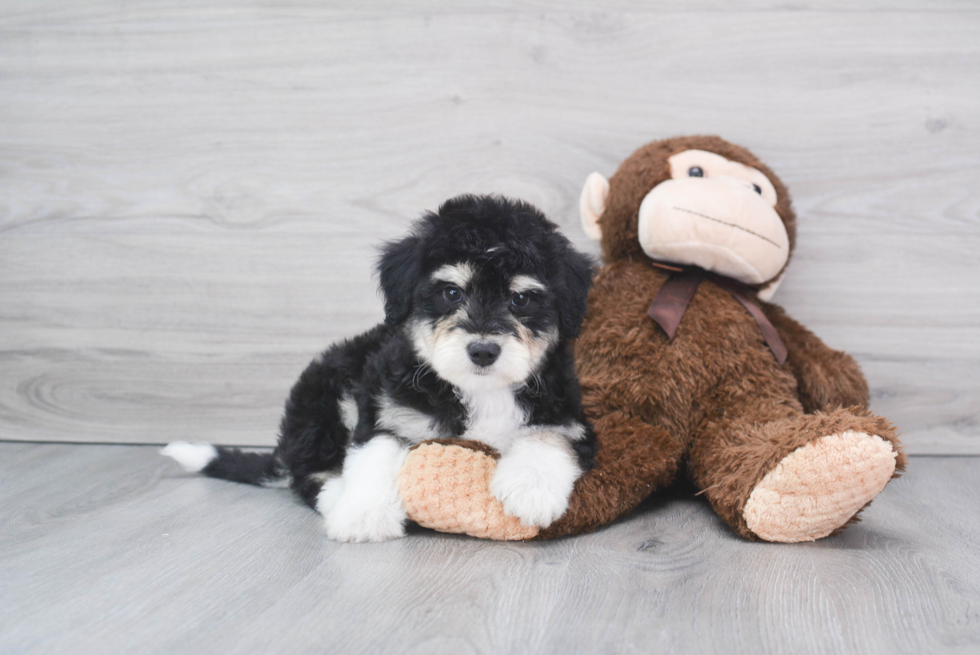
<point>711,212</point>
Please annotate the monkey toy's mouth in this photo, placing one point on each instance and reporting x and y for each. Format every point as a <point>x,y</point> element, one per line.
<point>734,225</point>
<point>679,223</point>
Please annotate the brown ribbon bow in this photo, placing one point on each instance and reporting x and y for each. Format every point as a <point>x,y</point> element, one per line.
<point>671,302</point>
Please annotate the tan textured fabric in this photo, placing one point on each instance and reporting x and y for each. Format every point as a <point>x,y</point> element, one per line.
<point>438,477</point>
<point>818,487</point>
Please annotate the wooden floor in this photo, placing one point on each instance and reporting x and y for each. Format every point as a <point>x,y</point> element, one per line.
<point>110,549</point>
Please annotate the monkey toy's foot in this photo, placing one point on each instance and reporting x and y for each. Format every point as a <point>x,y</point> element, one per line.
<point>819,487</point>
<point>446,487</point>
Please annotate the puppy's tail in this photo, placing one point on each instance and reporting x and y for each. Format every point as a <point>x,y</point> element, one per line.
<point>263,469</point>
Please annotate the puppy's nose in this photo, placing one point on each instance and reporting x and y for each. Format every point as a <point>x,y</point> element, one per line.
<point>483,353</point>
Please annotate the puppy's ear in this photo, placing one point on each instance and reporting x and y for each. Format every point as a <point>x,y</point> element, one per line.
<point>572,284</point>
<point>399,268</point>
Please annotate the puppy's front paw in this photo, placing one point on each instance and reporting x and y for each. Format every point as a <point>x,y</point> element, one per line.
<point>534,484</point>
<point>352,521</point>
<point>363,504</point>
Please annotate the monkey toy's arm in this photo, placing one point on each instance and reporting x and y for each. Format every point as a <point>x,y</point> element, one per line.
<point>827,378</point>
<point>444,485</point>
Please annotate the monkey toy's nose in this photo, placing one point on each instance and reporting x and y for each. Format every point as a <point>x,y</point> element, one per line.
<point>483,353</point>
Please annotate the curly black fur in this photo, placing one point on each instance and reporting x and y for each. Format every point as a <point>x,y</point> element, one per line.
<point>501,238</point>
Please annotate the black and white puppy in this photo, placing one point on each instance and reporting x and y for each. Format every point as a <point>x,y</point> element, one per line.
<point>481,301</point>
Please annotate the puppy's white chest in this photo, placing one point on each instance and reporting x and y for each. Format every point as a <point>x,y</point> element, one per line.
<point>493,418</point>
<point>409,424</point>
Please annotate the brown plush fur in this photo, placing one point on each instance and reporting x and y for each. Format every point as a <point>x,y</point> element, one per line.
<point>713,402</point>
<point>715,394</point>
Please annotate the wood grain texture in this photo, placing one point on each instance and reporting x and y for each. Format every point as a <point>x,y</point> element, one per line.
<point>111,549</point>
<point>192,194</point>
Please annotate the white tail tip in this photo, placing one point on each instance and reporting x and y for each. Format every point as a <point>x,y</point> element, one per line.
<point>193,457</point>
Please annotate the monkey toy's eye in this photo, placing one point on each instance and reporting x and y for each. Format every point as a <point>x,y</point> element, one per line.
<point>452,294</point>
<point>520,299</point>
<point>695,171</point>
<point>758,189</point>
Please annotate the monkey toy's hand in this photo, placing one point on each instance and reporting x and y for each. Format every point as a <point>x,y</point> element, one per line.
<point>445,486</point>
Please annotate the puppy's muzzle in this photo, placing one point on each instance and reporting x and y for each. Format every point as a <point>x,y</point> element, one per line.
<point>483,353</point>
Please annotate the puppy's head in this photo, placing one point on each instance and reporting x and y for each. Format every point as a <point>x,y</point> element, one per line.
<point>485,288</point>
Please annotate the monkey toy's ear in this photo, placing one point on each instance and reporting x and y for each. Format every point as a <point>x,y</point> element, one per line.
<point>592,203</point>
<point>399,269</point>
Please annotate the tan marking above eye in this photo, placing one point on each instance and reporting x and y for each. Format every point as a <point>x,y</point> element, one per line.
<point>716,166</point>
<point>521,283</point>
<point>458,274</point>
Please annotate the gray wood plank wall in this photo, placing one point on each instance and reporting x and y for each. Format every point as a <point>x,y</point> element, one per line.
<point>191,193</point>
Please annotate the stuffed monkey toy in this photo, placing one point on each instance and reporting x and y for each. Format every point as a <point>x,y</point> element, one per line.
<point>687,369</point>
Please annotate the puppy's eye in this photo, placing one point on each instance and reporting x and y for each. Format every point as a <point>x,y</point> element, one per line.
<point>758,189</point>
<point>520,299</point>
<point>695,171</point>
<point>452,294</point>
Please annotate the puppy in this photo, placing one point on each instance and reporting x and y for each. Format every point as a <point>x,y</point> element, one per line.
<point>481,301</point>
